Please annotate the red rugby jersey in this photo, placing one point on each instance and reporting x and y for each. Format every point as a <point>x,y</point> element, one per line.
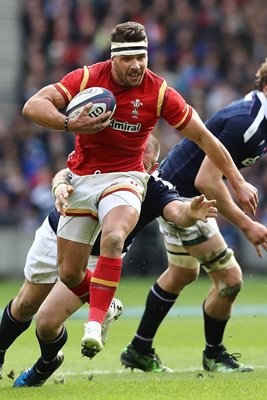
<point>120,147</point>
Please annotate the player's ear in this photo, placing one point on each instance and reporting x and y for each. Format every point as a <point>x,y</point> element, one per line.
<point>153,168</point>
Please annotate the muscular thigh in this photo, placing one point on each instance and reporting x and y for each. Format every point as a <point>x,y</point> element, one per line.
<point>216,257</point>
<point>179,241</point>
<point>93,197</point>
<point>81,221</point>
<point>199,245</point>
<point>79,229</point>
<point>119,209</point>
<point>190,236</point>
<point>122,219</point>
<point>72,256</point>
<point>209,246</point>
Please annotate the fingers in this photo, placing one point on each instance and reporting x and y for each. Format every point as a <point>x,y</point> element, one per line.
<point>204,212</point>
<point>100,122</point>
<point>262,243</point>
<point>61,205</point>
<point>251,204</point>
<point>83,123</point>
<point>61,202</point>
<point>99,126</point>
<point>200,199</point>
<point>258,250</point>
<point>211,203</point>
<point>247,196</point>
<point>213,212</point>
<point>60,208</point>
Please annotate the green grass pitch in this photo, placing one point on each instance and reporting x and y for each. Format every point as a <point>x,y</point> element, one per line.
<point>179,343</point>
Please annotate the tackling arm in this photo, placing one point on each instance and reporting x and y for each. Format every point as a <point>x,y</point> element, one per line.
<point>187,213</point>
<point>246,193</point>
<point>209,181</point>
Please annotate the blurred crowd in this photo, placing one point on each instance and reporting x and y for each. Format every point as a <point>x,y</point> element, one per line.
<point>209,50</point>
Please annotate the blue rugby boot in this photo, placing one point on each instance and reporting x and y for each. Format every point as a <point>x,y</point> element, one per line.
<point>32,377</point>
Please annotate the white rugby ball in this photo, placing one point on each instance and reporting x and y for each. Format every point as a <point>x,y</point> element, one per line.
<point>103,101</point>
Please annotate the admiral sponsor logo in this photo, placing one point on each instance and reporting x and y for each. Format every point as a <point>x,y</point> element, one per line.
<point>124,126</point>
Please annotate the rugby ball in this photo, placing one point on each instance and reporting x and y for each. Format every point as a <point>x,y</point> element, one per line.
<point>103,101</point>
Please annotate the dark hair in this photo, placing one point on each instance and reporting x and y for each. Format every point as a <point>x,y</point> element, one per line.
<point>261,76</point>
<point>128,32</point>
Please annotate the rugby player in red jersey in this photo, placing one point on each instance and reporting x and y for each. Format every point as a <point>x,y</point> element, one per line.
<point>108,174</point>
<point>43,292</point>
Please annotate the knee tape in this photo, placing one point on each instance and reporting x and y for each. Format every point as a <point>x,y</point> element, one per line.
<point>220,259</point>
<point>179,257</point>
<point>119,198</point>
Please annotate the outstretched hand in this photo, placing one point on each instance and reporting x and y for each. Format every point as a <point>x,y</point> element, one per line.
<point>62,194</point>
<point>201,209</point>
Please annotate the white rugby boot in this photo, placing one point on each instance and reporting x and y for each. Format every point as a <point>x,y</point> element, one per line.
<point>114,312</point>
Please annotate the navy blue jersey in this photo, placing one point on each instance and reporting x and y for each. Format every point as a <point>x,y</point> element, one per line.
<point>159,194</point>
<point>241,127</point>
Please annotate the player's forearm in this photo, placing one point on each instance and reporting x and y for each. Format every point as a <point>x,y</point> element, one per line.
<point>178,213</point>
<point>44,113</point>
<point>230,211</point>
<point>216,189</point>
<point>245,193</point>
<point>222,159</point>
<point>42,108</point>
<point>185,218</point>
<point>61,176</point>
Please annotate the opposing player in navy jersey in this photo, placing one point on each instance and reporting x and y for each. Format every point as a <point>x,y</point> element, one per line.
<point>242,128</point>
<point>41,270</point>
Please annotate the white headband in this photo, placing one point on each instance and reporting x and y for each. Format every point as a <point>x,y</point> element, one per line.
<point>128,48</point>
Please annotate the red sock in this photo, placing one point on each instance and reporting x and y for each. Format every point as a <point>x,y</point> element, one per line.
<point>83,289</point>
<point>103,286</point>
